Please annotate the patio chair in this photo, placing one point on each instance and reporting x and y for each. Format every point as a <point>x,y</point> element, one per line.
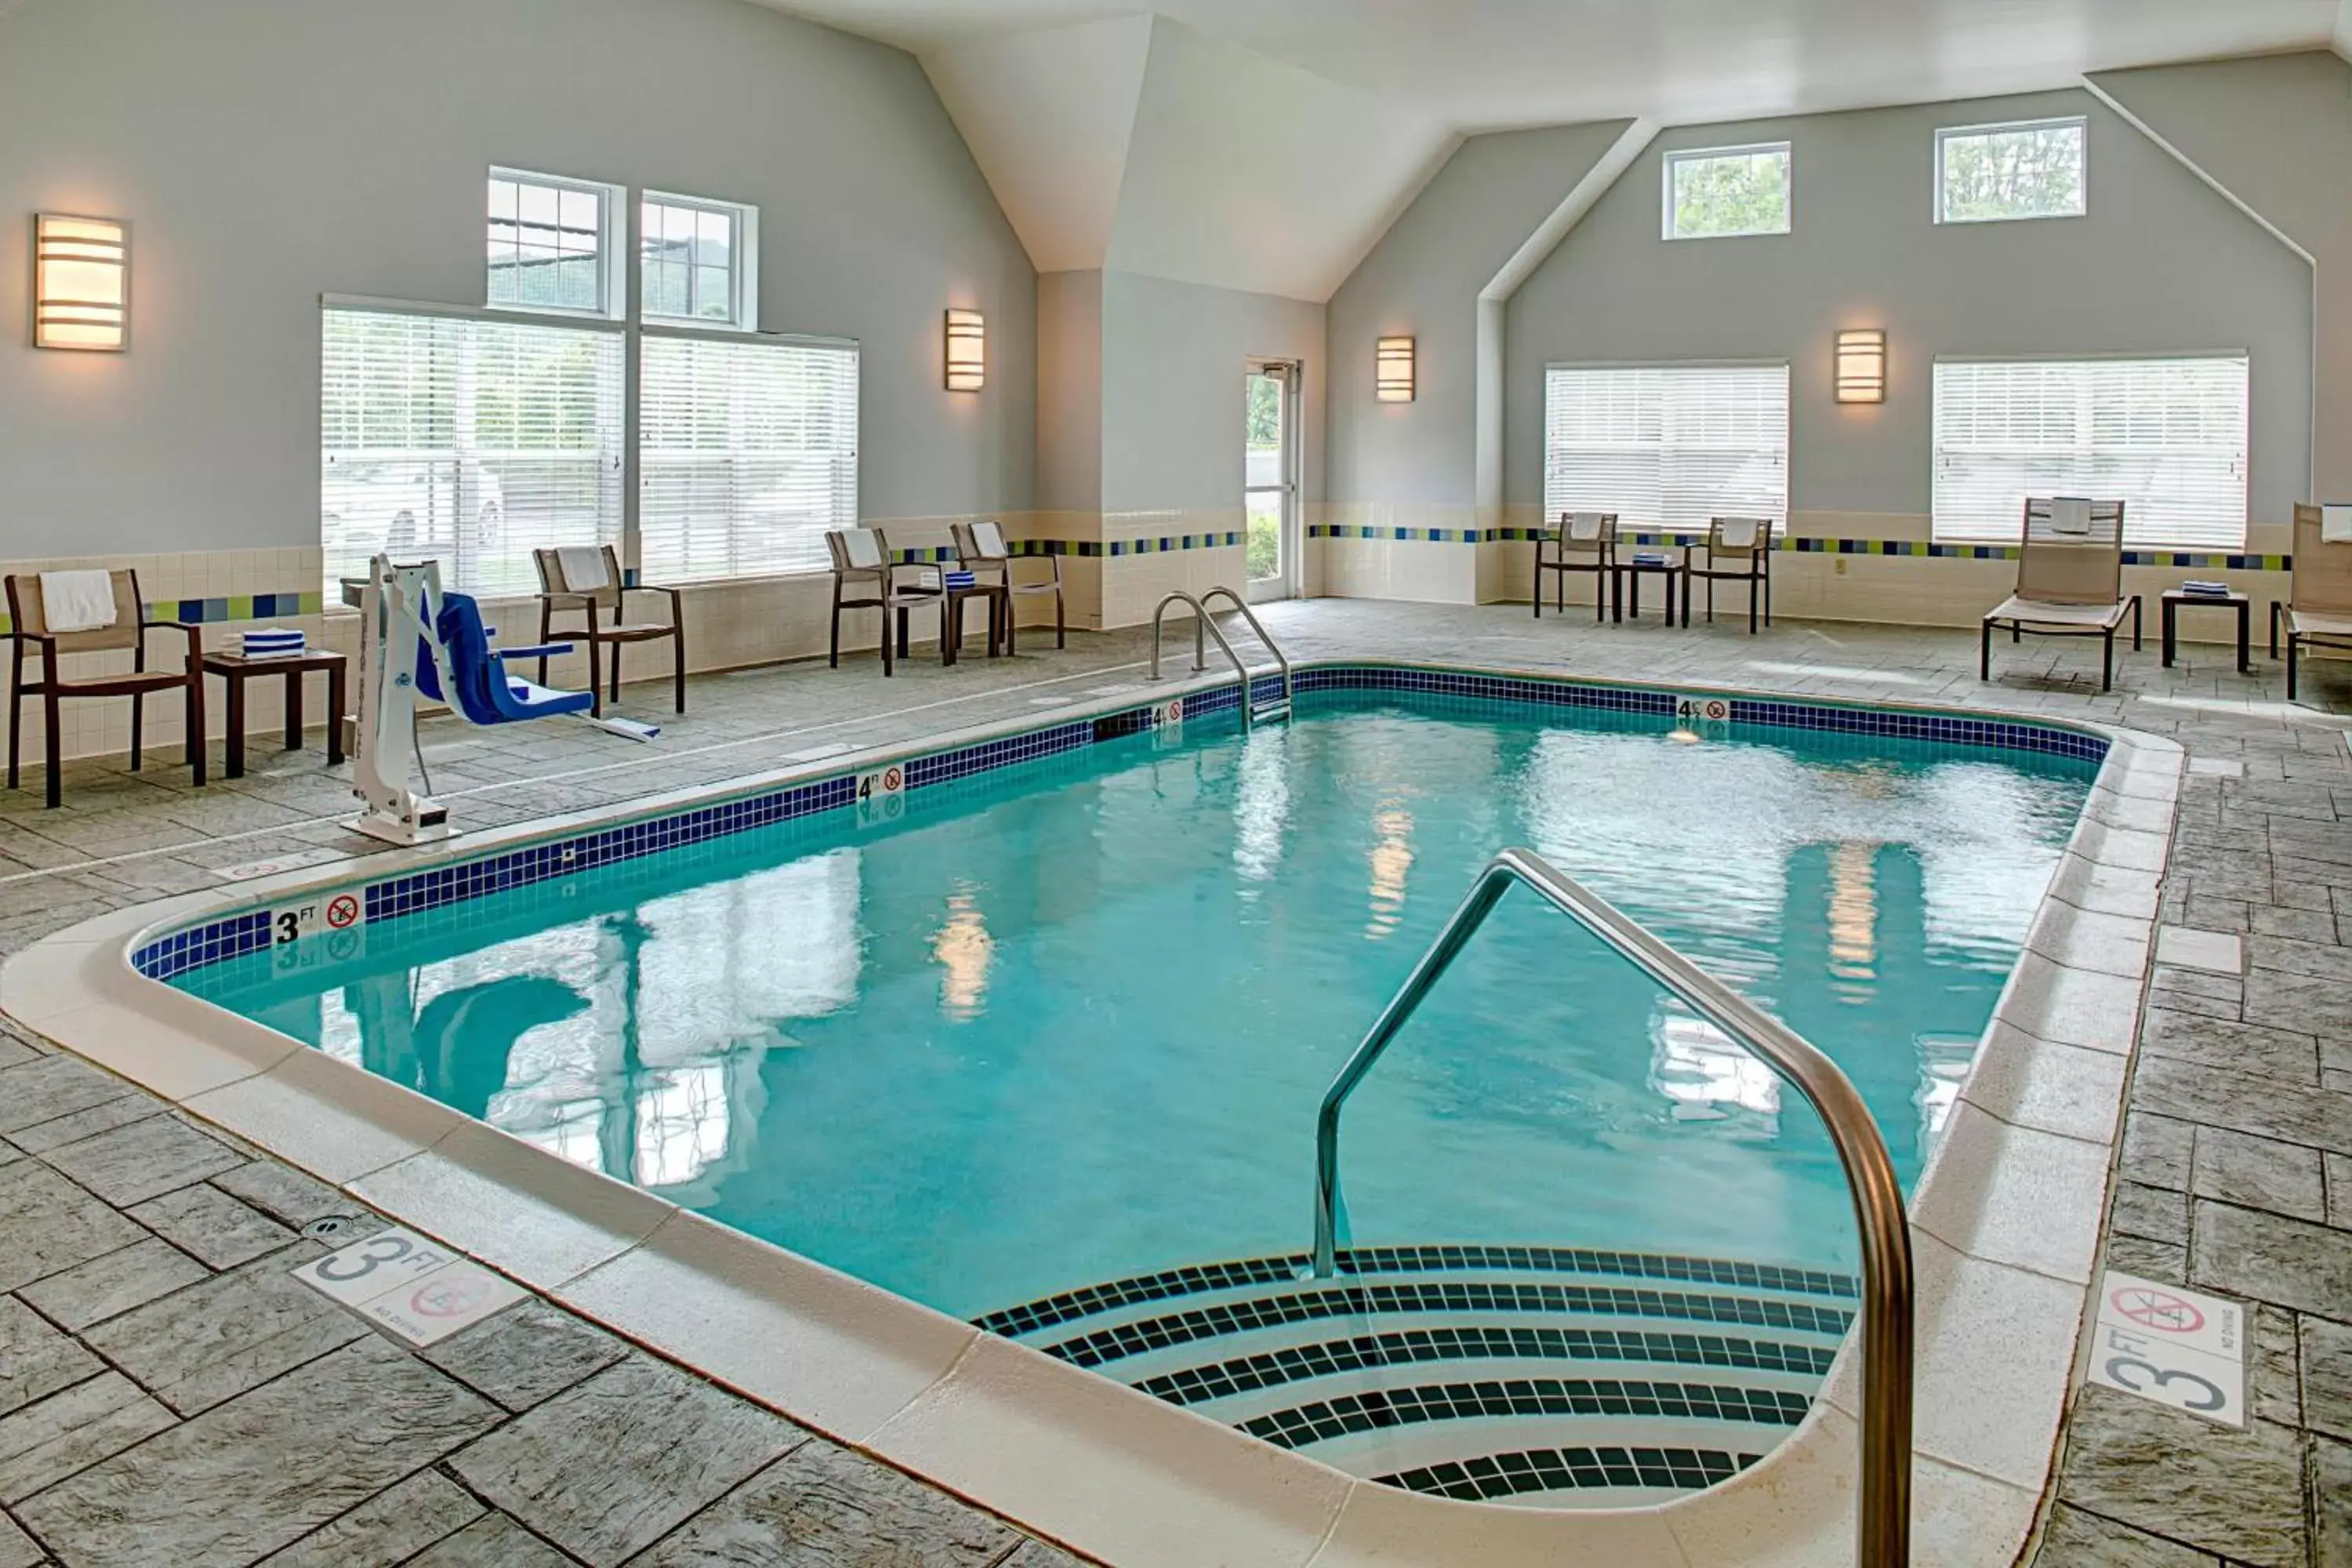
<point>32,625</point>
<point>589,582</point>
<point>2318,608</point>
<point>2070,581</point>
<point>861,558</point>
<point>1584,542</point>
<point>1737,550</point>
<point>980,546</point>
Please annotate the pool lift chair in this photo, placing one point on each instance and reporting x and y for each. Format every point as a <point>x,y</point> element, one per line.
<point>415,639</point>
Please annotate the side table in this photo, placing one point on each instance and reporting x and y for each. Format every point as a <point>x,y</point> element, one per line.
<point>235,670</point>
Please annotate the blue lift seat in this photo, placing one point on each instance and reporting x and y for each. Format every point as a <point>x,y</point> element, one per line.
<point>486,693</point>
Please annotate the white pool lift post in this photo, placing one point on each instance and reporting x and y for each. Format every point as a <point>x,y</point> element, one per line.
<point>406,651</point>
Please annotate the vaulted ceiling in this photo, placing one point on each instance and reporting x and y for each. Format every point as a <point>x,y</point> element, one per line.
<point>1263,145</point>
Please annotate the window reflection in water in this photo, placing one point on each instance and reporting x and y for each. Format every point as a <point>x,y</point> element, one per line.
<point>964,950</point>
<point>1390,859</point>
<point>1261,806</point>
<point>1709,1077</point>
<point>1944,1061</point>
<point>1853,922</point>
<point>682,1123</point>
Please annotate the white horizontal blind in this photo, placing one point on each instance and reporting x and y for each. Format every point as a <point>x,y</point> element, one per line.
<point>1666,447</point>
<point>747,455</point>
<point>2166,437</point>
<point>466,440</point>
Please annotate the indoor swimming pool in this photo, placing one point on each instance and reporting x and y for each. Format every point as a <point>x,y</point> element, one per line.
<point>1068,1021</point>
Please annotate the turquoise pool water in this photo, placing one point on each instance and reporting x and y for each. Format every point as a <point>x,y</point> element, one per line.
<point>1071,1020</point>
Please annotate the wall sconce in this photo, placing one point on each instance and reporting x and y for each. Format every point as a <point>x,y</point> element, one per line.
<point>1861,365</point>
<point>1392,370</point>
<point>967,350</point>
<point>82,283</point>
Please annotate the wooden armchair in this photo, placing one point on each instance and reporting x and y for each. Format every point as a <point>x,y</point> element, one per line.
<point>1737,550</point>
<point>569,582</point>
<point>861,559</point>
<point>981,547</point>
<point>29,629</point>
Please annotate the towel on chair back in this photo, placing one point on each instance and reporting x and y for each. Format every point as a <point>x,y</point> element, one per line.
<point>76,601</point>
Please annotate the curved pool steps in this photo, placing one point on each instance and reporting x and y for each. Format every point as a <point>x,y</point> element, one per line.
<point>1554,1376</point>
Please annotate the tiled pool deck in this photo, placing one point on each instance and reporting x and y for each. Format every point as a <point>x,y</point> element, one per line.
<point>169,1394</point>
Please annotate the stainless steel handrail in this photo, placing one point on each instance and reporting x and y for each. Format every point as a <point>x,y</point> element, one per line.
<point>1884,1533</point>
<point>1200,661</point>
<point>1272,646</point>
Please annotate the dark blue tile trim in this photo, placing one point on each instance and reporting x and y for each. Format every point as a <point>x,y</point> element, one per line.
<point>232,935</point>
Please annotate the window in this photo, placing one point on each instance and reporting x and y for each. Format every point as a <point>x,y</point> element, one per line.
<point>1717,192</point>
<point>1666,447</point>
<point>698,261</point>
<point>465,440</point>
<point>551,244</point>
<point>1991,173</point>
<point>747,455</point>
<point>2168,436</point>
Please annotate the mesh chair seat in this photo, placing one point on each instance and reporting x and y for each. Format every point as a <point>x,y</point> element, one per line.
<point>2042,612</point>
<point>2312,623</point>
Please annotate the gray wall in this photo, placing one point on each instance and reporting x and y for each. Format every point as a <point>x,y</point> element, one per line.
<point>1070,390</point>
<point>268,150</point>
<point>2276,132</point>
<point>1173,356</point>
<point>2162,263</point>
<point>1423,281</point>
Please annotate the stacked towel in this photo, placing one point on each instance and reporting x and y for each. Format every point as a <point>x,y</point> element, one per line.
<point>960,578</point>
<point>76,601</point>
<point>2203,589</point>
<point>270,642</point>
<point>1649,558</point>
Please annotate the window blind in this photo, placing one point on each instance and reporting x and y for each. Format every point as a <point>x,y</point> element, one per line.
<point>466,440</point>
<point>2167,436</point>
<point>747,455</point>
<point>1666,447</point>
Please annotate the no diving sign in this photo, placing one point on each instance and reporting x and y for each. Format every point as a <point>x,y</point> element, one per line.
<point>419,1290</point>
<point>2173,1346</point>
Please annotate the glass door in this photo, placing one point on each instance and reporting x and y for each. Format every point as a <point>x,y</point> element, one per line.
<point>1270,479</point>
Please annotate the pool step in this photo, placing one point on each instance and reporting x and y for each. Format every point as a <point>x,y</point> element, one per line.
<point>1556,1376</point>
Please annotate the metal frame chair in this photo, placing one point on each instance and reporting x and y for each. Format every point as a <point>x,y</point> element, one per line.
<point>862,555</point>
<point>557,594</point>
<point>2070,577</point>
<point>2318,608</point>
<point>981,545</point>
<point>1746,539</point>
<point>28,627</point>
<point>1593,533</point>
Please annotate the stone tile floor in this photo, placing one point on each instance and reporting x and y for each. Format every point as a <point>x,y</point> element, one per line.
<point>169,1394</point>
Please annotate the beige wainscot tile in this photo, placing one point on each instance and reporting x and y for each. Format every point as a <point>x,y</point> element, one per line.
<point>2071,1006</point>
<point>2065,1089</point>
<point>2014,1194</point>
<point>1381,1527</point>
<point>529,1213</point>
<point>333,1118</point>
<point>1994,1355</point>
<point>1111,1471</point>
<point>828,1350</point>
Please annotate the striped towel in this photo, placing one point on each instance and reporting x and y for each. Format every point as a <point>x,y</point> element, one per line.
<point>960,578</point>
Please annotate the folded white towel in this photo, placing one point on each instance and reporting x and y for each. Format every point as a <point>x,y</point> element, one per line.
<point>583,568</point>
<point>76,601</point>
<point>1584,527</point>
<point>2336,525</point>
<point>1738,532</point>
<point>2070,514</point>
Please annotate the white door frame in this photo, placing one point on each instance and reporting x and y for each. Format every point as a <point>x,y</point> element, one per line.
<point>1291,372</point>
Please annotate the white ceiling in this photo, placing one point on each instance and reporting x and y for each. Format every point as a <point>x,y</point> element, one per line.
<point>1485,64</point>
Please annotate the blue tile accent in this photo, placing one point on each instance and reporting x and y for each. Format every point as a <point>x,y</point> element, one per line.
<point>234,935</point>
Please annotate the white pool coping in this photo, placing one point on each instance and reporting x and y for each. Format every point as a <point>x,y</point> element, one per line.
<point>2005,1230</point>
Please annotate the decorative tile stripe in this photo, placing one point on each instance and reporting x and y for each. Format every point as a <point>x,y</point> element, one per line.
<point>477,878</point>
<point>1376,1410</point>
<point>1571,1469</point>
<point>1165,545</point>
<point>2207,561</point>
<point>1366,1352</point>
<point>222,610</point>
<point>1358,1300</point>
<point>1169,1284</point>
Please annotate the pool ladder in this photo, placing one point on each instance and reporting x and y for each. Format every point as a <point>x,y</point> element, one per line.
<point>1885,1526</point>
<point>1254,712</point>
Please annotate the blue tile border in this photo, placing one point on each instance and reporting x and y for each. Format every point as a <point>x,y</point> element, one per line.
<point>232,936</point>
